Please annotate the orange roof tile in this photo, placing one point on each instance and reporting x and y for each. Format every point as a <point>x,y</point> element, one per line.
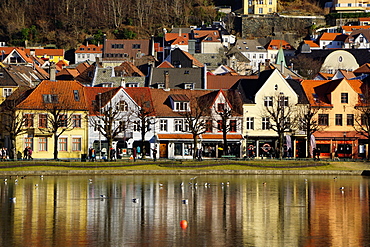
<point>64,91</point>
<point>352,28</point>
<point>143,97</point>
<point>91,48</point>
<point>333,36</point>
<point>48,52</point>
<point>165,64</point>
<point>91,95</point>
<point>365,68</point>
<point>275,44</point>
<point>311,43</point>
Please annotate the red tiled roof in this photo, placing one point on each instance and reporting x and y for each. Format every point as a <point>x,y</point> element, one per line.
<point>333,36</point>
<point>179,97</point>
<point>89,49</point>
<point>165,64</point>
<point>91,95</point>
<point>349,29</point>
<point>311,43</point>
<point>195,61</point>
<point>48,52</point>
<point>63,89</point>
<point>143,97</point>
<point>365,68</point>
<point>275,44</point>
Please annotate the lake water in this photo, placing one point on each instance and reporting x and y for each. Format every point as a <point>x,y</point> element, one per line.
<point>243,210</point>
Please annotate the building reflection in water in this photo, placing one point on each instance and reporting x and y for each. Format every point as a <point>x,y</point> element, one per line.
<point>147,210</point>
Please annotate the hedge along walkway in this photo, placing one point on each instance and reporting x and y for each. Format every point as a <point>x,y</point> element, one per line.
<point>168,167</point>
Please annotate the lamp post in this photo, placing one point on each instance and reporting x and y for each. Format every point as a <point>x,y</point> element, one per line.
<point>99,126</point>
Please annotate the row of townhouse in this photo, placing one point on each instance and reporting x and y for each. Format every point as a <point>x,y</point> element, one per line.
<point>64,119</point>
<point>67,118</point>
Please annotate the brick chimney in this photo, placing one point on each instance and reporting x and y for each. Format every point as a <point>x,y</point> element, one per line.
<point>166,80</point>
<point>52,73</point>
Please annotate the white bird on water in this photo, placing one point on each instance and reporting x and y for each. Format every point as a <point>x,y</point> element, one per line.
<point>135,200</point>
<point>341,188</point>
<point>103,196</point>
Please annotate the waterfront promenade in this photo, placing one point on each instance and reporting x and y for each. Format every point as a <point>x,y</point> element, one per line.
<point>174,167</point>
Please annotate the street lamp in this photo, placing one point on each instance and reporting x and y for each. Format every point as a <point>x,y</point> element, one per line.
<point>99,126</point>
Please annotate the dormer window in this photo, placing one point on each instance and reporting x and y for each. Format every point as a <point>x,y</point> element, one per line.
<point>76,95</point>
<point>50,98</point>
<point>189,86</point>
<point>220,107</point>
<point>160,85</point>
<point>179,102</point>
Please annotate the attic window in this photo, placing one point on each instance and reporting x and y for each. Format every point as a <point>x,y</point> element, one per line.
<point>315,97</point>
<point>276,87</point>
<point>189,86</point>
<point>160,85</point>
<point>50,98</point>
<point>76,95</point>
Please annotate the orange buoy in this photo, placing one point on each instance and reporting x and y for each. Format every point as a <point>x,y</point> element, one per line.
<point>183,224</point>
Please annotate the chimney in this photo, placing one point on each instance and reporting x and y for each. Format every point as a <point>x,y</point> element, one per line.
<point>180,32</point>
<point>52,74</point>
<point>267,64</point>
<point>123,83</point>
<point>166,80</point>
<point>152,52</point>
<point>104,45</point>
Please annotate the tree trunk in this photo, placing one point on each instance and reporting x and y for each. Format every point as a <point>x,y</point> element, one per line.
<point>13,150</point>
<point>224,136</point>
<point>308,145</point>
<point>195,143</point>
<point>281,150</point>
<point>55,146</point>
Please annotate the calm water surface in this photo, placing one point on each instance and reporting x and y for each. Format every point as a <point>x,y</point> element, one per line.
<point>147,210</point>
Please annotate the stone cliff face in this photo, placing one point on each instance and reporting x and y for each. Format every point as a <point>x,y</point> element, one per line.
<point>292,29</point>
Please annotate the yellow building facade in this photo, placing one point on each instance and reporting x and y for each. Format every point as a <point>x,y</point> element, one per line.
<point>259,7</point>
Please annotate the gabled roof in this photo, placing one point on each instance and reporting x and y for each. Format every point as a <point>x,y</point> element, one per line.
<point>356,33</point>
<point>65,91</point>
<point>165,64</point>
<point>195,61</point>
<point>325,76</point>
<point>22,75</point>
<point>92,96</point>
<point>178,77</point>
<point>346,74</point>
<point>363,69</point>
<point>249,45</point>
<point>275,44</point>
<point>311,43</point>
<point>333,37</point>
<point>350,29</point>
<point>212,35</point>
<point>143,98</point>
<point>129,69</point>
<point>90,48</point>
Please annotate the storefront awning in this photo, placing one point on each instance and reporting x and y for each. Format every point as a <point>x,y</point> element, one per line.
<point>175,137</point>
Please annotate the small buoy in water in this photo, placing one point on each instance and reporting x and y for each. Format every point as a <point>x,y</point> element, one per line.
<point>183,224</point>
<point>185,201</point>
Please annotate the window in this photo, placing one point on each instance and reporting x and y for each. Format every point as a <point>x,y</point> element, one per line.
<point>122,105</point>
<point>7,92</point>
<point>250,123</point>
<point>28,142</point>
<point>265,123</point>
<point>62,144</point>
<point>220,107</point>
<point>284,101</point>
<point>189,86</point>
<point>219,125</point>
<point>43,144</point>
<point>76,121</point>
<point>338,120</point>
<point>181,106</point>
<point>260,11</point>
<point>270,2</point>
<point>76,95</point>
<point>260,1</point>
<point>178,125</point>
<point>117,46</point>
<point>232,125</point>
<point>324,119</point>
<point>136,46</point>
<point>76,144</point>
<point>209,127</point>
<point>50,98</point>
<point>350,119</point>
<point>178,148</point>
<point>261,56</point>
<point>28,120</point>
<point>163,125</point>
<point>268,100</point>
<point>63,120</point>
<point>344,98</point>
<point>122,126</point>
<point>43,120</point>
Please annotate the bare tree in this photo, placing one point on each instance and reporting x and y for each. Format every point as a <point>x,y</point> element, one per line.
<point>279,112</point>
<point>307,120</point>
<point>144,119</point>
<point>196,117</point>
<point>12,120</point>
<point>362,117</point>
<point>56,119</point>
<point>111,119</point>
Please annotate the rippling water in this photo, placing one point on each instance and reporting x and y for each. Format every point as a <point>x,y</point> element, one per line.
<point>243,210</point>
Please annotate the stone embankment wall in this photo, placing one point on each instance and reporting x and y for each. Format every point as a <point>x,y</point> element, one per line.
<point>290,28</point>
